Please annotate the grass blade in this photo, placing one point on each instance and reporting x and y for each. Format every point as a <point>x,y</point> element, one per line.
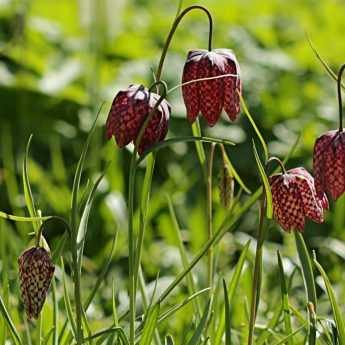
<point>196,130</point>
<point>198,139</point>
<point>309,282</point>
<point>227,315</point>
<point>22,219</point>
<point>183,253</point>
<point>233,171</point>
<point>328,69</point>
<point>29,199</point>
<point>202,324</point>
<point>339,320</point>
<point>285,300</point>
<point>150,325</point>
<point>67,301</point>
<point>231,292</point>
<point>177,307</point>
<point>113,330</point>
<point>82,229</point>
<point>256,129</point>
<point>169,340</point>
<point>77,178</point>
<point>9,322</point>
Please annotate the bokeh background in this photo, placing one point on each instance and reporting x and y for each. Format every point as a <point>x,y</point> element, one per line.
<point>60,60</point>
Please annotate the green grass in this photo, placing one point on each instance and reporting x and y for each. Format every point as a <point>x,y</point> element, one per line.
<point>155,258</point>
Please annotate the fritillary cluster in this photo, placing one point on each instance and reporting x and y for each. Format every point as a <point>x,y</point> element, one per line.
<point>211,83</point>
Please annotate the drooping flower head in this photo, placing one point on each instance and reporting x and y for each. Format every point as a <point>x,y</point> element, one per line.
<point>128,112</point>
<point>36,271</point>
<point>329,164</point>
<point>210,96</point>
<point>329,156</point>
<point>294,197</point>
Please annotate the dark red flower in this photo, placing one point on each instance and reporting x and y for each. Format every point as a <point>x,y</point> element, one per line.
<point>128,113</point>
<point>36,272</point>
<point>329,164</point>
<point>210,96</point>
<point>294,198</point>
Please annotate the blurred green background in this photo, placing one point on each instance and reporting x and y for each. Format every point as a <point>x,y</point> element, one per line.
<point>60,60</point>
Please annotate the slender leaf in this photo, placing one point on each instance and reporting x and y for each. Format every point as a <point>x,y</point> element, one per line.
<point>112,330</point>
<point>82,229</point>
<point>150,325</point>
<point>235,174</point>
<point>338,316</point>
<point>198,139</point>
<point>67,301</point>
<point>196,129</point>
<point>9,322</point>
<point>285,299</point>
<point>77,178</point>
<point>169,340</point>
<point>256,129</point>
<point>290,336</point>
<point>22,219</point>
<point>328,69</point>
<point>309,282</point>
<point>202,324</point>
<point>29,199</point>
<point>183,254</point>
<point>227,315</point>
<point>231,292</point>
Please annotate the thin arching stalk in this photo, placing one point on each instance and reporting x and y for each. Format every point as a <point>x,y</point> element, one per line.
<point>340,74</point>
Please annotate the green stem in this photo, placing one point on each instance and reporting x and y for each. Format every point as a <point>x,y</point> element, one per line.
<point>77,294</point>
<point>309,283</point>
<point>257,271</point>
<point>131,237</point>
<point>172,32</point>
<point>209,215</point>
<point>340,73</point>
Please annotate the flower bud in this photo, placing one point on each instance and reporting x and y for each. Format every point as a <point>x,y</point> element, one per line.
<point>226,186</point>
<point>36,271</point>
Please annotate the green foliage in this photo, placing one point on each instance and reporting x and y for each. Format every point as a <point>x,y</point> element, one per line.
<point>59,61</point>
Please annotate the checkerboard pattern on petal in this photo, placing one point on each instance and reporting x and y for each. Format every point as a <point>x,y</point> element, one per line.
<point>210,96</point>
<point>294,198</point>
<point>128,113</point>
<point>329,164</point>
<point>36,272</point>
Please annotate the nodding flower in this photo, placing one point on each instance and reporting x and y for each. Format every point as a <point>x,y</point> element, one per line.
<point>127,115</point>
<point>210,96</point>
<point>36,271</point>
<point>294,198</point>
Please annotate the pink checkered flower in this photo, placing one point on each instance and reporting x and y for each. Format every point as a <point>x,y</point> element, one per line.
<point>36,271</point>
<point>210,96</point>
<point>128,112</point>
<point>329,164</point>
<point>294,198</point>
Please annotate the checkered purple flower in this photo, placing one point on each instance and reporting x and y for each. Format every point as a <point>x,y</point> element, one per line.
<point>294,198</point>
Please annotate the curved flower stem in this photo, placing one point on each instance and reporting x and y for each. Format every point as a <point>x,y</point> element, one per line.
<point>42,227</point>
<point>209,214</point>
<point>172,32</point>
<point>257,271</point>
<point>340,74</point>
<point>276,159</point>
<point>131,237</point>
